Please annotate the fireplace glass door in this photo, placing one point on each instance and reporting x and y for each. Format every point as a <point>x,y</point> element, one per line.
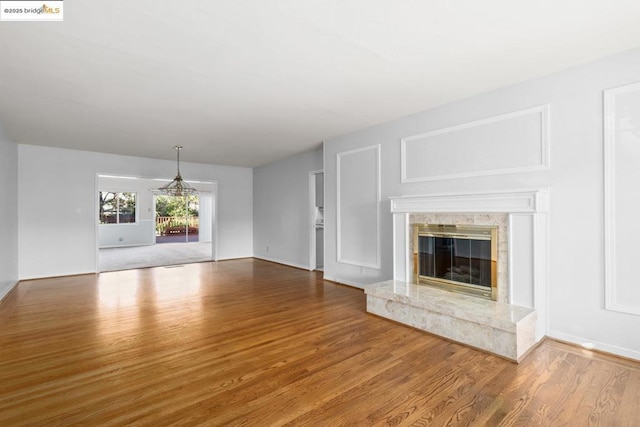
<point>460,260</point>
<point>456,257</point>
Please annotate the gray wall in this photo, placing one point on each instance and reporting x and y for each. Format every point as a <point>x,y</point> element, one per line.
<point>8,214</point>
<point>576,269</point>
<point>281,217</point>
<point>57,204</point>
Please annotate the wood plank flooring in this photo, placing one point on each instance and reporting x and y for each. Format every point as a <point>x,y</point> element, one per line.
<point>247,342</point>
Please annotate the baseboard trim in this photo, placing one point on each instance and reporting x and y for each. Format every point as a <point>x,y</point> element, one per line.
<point>599,347</point>
<point>8,291</point>
<point>133,245</point>
<point>344,282</point>
<point>278,261</point>
<point>23,279</point>
<point>231,258</point>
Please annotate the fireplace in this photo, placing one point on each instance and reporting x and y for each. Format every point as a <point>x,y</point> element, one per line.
<point>458,258</point>
<point>506,323</point>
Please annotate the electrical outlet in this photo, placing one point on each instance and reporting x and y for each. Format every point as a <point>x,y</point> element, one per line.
<point>267,248</point>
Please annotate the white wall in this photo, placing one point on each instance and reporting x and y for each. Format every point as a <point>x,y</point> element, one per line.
<point>281,216</point>
<point>575,177</point>
<point>121,235</point>
<point>205,214</point>
<point>57,205</point>
<point>8,214</point>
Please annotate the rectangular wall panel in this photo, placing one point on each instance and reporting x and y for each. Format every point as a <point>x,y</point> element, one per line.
<point>622,198</point>
<point>513,142</point>
<point>358,207</point>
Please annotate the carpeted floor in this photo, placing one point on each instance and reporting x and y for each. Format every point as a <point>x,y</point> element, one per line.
<point>113,259</point>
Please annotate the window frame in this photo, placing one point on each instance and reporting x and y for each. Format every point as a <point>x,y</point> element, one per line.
<point>118,213</point>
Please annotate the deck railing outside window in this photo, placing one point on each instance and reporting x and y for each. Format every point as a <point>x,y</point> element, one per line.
<point>163,223</point>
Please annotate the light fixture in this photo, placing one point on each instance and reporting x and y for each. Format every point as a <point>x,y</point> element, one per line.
<point>178,187</point>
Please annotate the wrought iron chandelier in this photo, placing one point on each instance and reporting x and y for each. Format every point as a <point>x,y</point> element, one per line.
<point>178,187</point>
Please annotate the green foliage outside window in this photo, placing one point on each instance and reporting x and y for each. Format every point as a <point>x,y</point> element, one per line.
<point>177,206</point>
<point>117,208</point>
<point>176,212</point>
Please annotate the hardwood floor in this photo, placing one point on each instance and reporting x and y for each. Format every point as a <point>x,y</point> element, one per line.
<point>248,342</point>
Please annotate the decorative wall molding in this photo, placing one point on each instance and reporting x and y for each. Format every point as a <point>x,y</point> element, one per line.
<point>621,145</point>
<point>507,143</point>
<point>352,208</point>
<point>519,201</point>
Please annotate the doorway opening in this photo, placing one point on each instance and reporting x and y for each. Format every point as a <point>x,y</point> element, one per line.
<point>127,228</point>
<point>316,215</point>
<point>177,218</point>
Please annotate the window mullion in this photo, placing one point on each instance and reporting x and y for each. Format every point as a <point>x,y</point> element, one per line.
<point>117,208</point>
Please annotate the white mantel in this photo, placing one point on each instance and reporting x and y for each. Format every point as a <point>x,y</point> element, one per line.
<point>526,211</point>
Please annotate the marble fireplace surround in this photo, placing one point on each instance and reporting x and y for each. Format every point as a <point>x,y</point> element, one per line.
<point>514,323</point>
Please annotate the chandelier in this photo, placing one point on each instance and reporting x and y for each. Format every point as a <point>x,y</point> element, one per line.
<point>178,187</point>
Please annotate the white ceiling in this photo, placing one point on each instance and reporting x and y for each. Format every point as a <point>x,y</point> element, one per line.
<point>248,82</point>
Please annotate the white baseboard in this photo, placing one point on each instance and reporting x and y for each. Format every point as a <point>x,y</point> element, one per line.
<point>231,258</point>
<point>594,345</point>
<point>345,282</point>
<point>7,289</point>
<point>279,261</point>
<point>52,275</point>
<point>133,245</point>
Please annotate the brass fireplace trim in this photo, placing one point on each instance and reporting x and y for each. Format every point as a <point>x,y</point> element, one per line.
<point>477,232</point>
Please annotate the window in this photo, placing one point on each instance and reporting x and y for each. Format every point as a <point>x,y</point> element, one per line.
<point>117,208</point>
